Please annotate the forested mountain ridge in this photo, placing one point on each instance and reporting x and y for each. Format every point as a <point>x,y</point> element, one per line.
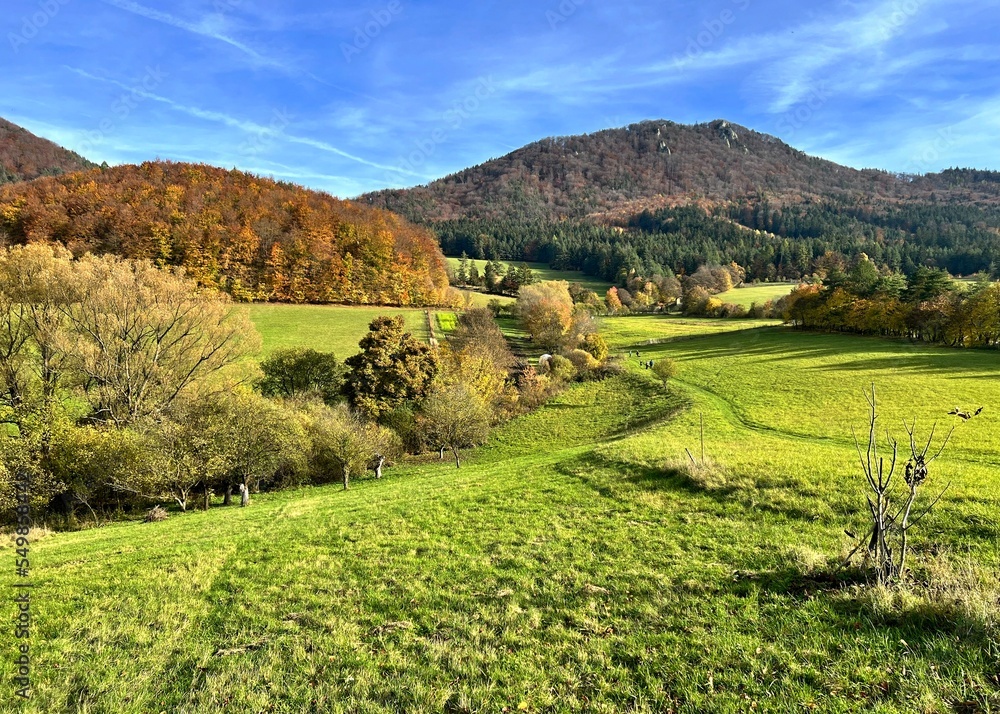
<point>660,196</point>
<point>24,156</point>
<point>253,237</point>
<point>657,164</point>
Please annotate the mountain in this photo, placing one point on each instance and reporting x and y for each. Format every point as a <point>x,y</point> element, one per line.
<point>616,173</point>
<point>255,238</point>
<point>24,156</point>
<point>657,197</point>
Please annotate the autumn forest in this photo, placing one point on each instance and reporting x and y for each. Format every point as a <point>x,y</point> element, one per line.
<point>251,237</point>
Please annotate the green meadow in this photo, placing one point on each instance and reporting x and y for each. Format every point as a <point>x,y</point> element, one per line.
<point>543,272</point>
<point>476,298</point>
<point>571,564</point>
<point>327,328</point>
<point>760,293</point>
<point>637,331</point>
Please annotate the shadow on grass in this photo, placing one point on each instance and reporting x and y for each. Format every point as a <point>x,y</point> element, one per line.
<point>850,593</point>
<point>715,483</point>
<point>642,476</point>
<point>829,350</point>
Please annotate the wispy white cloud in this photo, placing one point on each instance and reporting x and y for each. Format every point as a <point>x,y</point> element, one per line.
<point>862,50</point>
<point>890,75</point>
<point>208,27</point>
<point>324,146</point>
<point>246,126</point>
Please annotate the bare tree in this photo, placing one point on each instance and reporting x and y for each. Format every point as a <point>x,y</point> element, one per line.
<point>456,417</point>
<point>890,507</point>
<point>142,336</point>
<point>35,287</point>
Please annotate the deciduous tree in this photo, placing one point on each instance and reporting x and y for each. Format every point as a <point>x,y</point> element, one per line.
<point>302,371</point>
<point>393,368</point>
<point>457,417</point>
<point>546,311</point>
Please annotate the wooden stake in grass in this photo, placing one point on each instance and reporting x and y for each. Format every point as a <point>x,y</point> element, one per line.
<point>703,438</point>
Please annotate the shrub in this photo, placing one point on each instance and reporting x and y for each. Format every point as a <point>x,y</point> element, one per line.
<point>156,514</point>
<point>596,346</point>
<point>403,421</point>
<point>583,361</point>
<point>714,307</point>
<point>696,300</point>
<point>665,369</point>
<point>732,310</point>
<point>533,388</point>
<point>609,368</point>
<point>498,308</point>
<point>757,312</point>
<point>561,368</point>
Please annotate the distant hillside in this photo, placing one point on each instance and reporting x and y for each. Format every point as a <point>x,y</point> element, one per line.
<point>253,237</point>
<point>24,156</point>
<point>649,165</point>
<point>661,196</point>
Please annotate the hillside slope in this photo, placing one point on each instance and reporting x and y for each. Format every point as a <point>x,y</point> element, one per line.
<point>659,196</point>
<point>253,237</point>
<point>24,156</point>
<point>566,567</point>
<point>657,164</point>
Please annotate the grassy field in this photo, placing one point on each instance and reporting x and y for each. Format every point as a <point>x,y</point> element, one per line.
<point>446,321</point>
<point>643,330</point>
<point>327,328</point>
<point>544,272</point>
<point>569,566</point>
<point>481,299</point>
<point>747,296</point>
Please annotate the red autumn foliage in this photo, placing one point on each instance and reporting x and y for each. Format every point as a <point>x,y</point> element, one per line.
<point>250,236</point>
<point>24,156</point>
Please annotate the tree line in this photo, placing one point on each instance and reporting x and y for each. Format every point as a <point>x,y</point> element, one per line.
<point>926,306</point>
<point>772,242</point>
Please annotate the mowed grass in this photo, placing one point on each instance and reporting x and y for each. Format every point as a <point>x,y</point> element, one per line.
<point>446,321</point>
<point>568,566</point>
<point>543,272</point>
<point>476,298</point>
<point>327,328</point>
<point>760,294</point>
<point>637,331</point>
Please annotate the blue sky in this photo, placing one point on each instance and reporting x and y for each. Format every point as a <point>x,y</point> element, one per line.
<point>352,97</point>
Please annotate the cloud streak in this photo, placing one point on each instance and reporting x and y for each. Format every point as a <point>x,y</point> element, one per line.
<point>248,127</point>
<point>866,84</point>
<point>202,29</point>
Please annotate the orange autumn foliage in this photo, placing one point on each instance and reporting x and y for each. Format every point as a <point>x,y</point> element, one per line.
<point>252,237</point>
